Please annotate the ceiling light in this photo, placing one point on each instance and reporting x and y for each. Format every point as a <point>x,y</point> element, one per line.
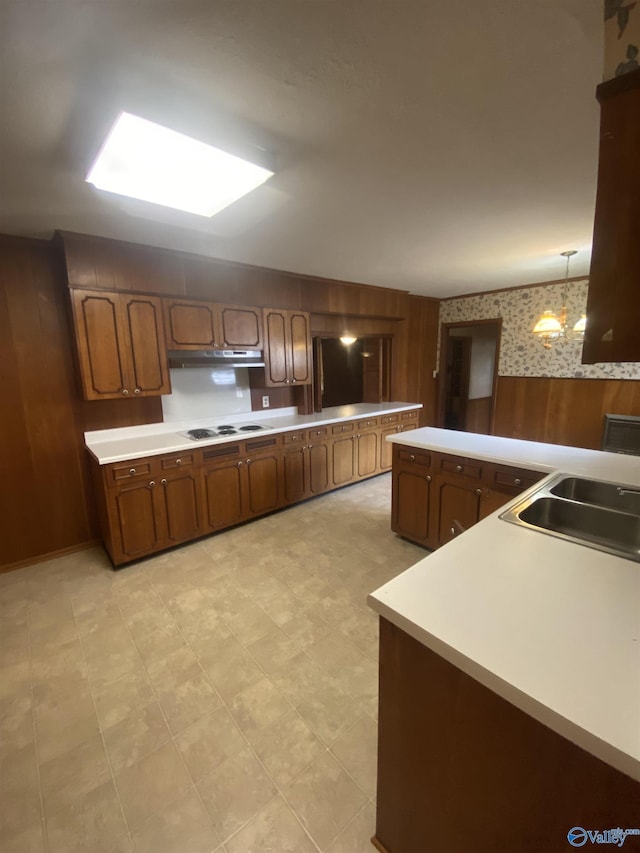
<point>550,328</point>
<point>141,159</point>
<point>347,340</point>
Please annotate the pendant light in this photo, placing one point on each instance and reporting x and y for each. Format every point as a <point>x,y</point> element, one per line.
<point>550,328</point>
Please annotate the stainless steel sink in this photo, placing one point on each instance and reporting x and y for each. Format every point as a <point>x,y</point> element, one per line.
<point>600,515</point>
<point>610,495</point>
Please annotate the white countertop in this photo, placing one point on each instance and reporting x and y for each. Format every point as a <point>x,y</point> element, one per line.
<point>118,445</point>
<point>552,627</point>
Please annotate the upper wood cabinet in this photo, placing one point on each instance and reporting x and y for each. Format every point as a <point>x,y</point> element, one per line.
<point>614,284</point>
<point>287,348</point>
<point>208,325</point>
<point>120,342</point>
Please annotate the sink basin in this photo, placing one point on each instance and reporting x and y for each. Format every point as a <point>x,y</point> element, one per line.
<point>588,512</point>
<point>610,530</point>
<point>598,493</point>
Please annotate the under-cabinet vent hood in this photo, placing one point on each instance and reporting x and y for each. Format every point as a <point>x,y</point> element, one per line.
<point>215,358</point>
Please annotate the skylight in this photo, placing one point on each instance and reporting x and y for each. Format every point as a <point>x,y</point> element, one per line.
<point>144,160</point>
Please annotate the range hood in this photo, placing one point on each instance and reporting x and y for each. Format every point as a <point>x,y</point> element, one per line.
<point>215,358</point>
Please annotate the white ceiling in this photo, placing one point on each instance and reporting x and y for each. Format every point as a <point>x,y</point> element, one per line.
<point>438,146</point>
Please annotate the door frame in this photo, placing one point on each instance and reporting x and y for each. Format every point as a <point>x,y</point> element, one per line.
<point>442,363</point>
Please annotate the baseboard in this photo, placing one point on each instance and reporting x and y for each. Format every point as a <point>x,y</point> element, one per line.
<point>51,555</point>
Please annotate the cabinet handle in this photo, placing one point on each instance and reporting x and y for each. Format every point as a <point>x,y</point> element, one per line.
<point>453,532</point>
<point>238,463</point>
<point>458,468</point>
<point>178,461</point>
<point>136,391</point>
<point>517,481</point>
<point>125,391</point>
<point>310,446</point>
<point>428,478</point>
<point>412,458</point>
<point>132,471</point>
<point>304,447</point>
<point>152,484</point>
<point>164,482</point>
<point>478,491</point>
<point>248,462</point>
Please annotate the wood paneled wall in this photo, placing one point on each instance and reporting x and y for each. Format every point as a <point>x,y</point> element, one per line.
<point>562,411</point>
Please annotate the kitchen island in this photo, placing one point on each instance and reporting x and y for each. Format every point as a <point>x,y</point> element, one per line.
<point>509,677</point>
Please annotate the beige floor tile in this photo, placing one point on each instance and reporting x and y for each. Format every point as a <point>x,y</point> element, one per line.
<point>29,840</point>
<point>65,726</point>
<point>50,612</point>
<point>16,724</point>
<point>306,628</point>
<point>258,706</point>
<point>145,620</point>
<point>117,699</point>
<point>19,792</point>
<point>69,777</point>
<point>335,652</point>
<point>141,732</point>
<point>92,823</point>
<point>274,651</point>
<point>58,675</point>
<point>328,712</point>
<point>184,702</point>
<point>233,669</point>
<point>210,741</point>
<point>251,624</point>
<point>207,636</point>
<point>273,830</point>
<point>356,749</point>
<point>300,677</point>
<point>183,827</point>
<point>105,616</point>
<point>235,791</point>
<point>286,747</point>
<point>154,647</point>
<point>325,799</point>
<point>152,784</point>
<point>15,681</point>
<point>49,638</point>
<point>357,834</point>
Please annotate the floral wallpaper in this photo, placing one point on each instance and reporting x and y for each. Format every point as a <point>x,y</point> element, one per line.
<point>521,354</point>
<point>621,37</point>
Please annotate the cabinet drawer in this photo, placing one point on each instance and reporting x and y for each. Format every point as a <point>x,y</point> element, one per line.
<point>338,429</point>
<point>414,457</point>
<point>370,423</point>
<point>129,470</point>
<point>462,467</point>
<point>408,416</point>
<point>318,432</point>
<point>389,419</point>
<point>179,460</point>
<point>263,445</point>
<point>293,437</point>
<point>221,453</point>
<point>505,478</point>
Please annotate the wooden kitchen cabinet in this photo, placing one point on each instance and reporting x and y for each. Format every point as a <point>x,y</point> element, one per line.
<point>412,494</point>
<point>120,344</point>
<point>287,347</point>
<point>343,454</point>
<point>208,325</point>
<point>147,505</point>
<point>614,280</point>
<point>367,440</point>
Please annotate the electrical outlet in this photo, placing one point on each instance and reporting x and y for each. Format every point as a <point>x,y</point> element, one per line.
<point>265,401</point>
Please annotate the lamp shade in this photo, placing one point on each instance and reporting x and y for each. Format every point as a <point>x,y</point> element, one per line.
<point>548,324</point>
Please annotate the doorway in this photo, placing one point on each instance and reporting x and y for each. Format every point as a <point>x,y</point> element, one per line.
<point>468,374</point>
<point>359,372</point>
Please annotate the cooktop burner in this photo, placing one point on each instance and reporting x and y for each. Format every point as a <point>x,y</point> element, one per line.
<point>220,431</point>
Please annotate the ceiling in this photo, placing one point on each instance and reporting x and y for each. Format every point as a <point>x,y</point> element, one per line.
<point>440,147</point>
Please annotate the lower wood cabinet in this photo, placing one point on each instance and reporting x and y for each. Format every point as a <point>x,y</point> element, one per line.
<point>436,497</point>
<point>150,504</point>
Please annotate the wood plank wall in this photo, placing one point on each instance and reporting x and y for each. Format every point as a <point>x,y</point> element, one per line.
<point>46,504</point>
<point>562,411</point>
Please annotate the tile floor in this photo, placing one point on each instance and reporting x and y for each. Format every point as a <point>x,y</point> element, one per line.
<point>221,697</point>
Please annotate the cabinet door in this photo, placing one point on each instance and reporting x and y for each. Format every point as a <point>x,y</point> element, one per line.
<point>135,520</point>
<point>240,328</point>
<point>295,474</point>
<point>263,483</point>
<point>386,448</point>
<point>343,468</point>
<point>275,351</point>
<point>367,446</point>
<point>458,508</point>
<point>102,349</point>
<point>411,503</point>
<point>142,317</point>
<point>223,495</point>
<point>299,348</point>
<point>319,463</point>
<point>179,494</point>
<point>190,325</point>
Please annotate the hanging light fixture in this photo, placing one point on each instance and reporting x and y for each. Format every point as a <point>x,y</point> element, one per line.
<point>550,328</point>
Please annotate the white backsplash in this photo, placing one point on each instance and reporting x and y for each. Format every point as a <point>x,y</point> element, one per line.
<point>207,392</point>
